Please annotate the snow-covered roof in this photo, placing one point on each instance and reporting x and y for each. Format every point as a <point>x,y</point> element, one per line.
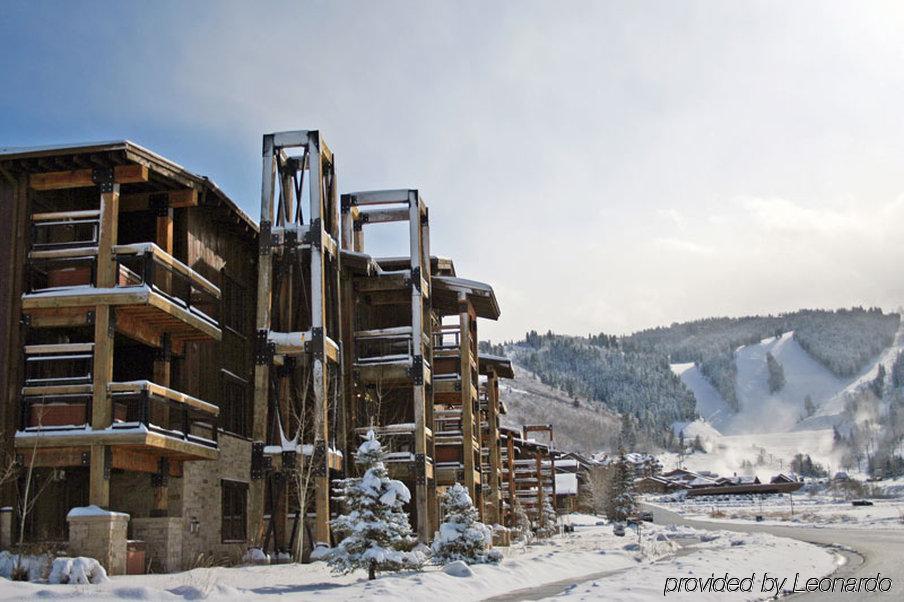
<point>566,483</point>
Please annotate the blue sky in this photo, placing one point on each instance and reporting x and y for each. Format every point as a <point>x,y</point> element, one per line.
<point>606,165</point>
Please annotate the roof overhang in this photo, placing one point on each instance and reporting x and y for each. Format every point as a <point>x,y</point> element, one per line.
<point>446,290</point>
<point>502,366</point>
<point>163,173</point>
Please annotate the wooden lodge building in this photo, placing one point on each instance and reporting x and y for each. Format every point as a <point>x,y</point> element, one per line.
<point>202,378</point>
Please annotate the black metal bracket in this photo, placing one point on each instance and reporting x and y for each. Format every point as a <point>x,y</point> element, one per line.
<point>25,320</point>
<point>314,235</point>
<point>103,177</point>
<point>257,460</point>
<point>159,203</point>
<point>420,469</point>
<point>318,458</point>
<point>86,458</point>
<point>90,316</point>
<point>288,460</point>
<point>415,279</point>
<point>290,240</point>
<point>416,370</point>
<point>316,345</point>
<point>263,349</point>
<point>346,202</point>
<point>265,239</point>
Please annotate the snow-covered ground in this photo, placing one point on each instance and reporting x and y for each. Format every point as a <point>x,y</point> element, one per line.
<point>769,453</point>
<point>758,557</point>
<point>590,550</point>
<point>805,510</point>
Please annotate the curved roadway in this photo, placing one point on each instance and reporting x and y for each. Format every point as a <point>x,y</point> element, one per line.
<point>874,550</point>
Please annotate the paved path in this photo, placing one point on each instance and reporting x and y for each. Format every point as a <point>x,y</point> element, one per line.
<point>873,550</point>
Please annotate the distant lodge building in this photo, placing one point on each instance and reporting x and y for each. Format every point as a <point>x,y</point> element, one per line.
<point>706,483</point>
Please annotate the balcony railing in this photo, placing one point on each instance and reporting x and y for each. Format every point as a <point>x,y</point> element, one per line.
<point>137,265</point>
<point>147,264</point>
<point>447,338</point>
<point>65,229</point>
<point>134,404</point>
<point>384,345</point>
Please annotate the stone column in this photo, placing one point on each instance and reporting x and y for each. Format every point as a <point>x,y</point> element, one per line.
<point>163,538</point>
<point>99,534</point>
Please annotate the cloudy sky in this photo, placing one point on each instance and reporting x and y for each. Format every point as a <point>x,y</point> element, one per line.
<point>605,165</point>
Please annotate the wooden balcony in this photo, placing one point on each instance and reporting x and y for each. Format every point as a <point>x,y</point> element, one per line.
<point>148,419</point>
<point>154,293</point>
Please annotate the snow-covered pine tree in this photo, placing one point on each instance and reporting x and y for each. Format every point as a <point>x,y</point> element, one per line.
<point>621,501</point>
<point>375,530</point>
<point>549,519</point>
<point>522,525</point>
<point>461,535</point>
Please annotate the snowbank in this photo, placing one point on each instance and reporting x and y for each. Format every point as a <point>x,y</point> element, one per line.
<point>589,550</point>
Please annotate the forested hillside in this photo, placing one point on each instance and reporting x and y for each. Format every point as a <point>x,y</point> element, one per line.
<point>631,374</point>
<point>640,386</point>
<point>844,340</point>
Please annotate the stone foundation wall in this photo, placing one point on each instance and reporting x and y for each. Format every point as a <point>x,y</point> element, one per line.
<point>163,540</point>
<point>202,502</point>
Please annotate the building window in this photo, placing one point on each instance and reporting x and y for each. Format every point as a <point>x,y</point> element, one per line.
<point>235,508</point>
<point>233,304</point>
<point>234,393</point>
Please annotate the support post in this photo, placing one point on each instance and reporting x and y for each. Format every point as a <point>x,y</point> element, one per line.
<point>467,398</point>
<point>104,326</point>
<point>322,365</point>
<point>262,368</point>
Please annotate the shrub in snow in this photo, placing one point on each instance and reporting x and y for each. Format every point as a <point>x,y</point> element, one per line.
<point>24,567</point>
<point>375,530</point>
<point>77,571</point>
<point>461,536</point>
<point>255,556</point>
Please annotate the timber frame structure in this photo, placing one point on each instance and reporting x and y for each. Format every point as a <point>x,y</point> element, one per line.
<point>211,377</point>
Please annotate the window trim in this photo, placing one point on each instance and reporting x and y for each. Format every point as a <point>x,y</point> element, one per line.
<point>231,487</point>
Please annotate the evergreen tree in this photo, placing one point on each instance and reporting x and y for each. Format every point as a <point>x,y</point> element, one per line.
<point>549,519</point>
<point>776,373</point>
<point>462,536</point>
<point>878,384</point>
<point>897,371</point>
<point>698,445</point>
<point>521,526</point>
<point>621,487</point>
<point>809,406</point>
<point>376,533</point>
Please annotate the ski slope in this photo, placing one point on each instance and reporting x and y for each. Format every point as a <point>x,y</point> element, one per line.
<point>782,411</point>
<point>772,422</point>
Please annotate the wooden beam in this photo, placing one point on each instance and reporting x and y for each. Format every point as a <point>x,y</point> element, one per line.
<point>175,199</point>
<point>55,457</point>
<point>59,317</point>
<point>140,330</point>
<point>82,178</point>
